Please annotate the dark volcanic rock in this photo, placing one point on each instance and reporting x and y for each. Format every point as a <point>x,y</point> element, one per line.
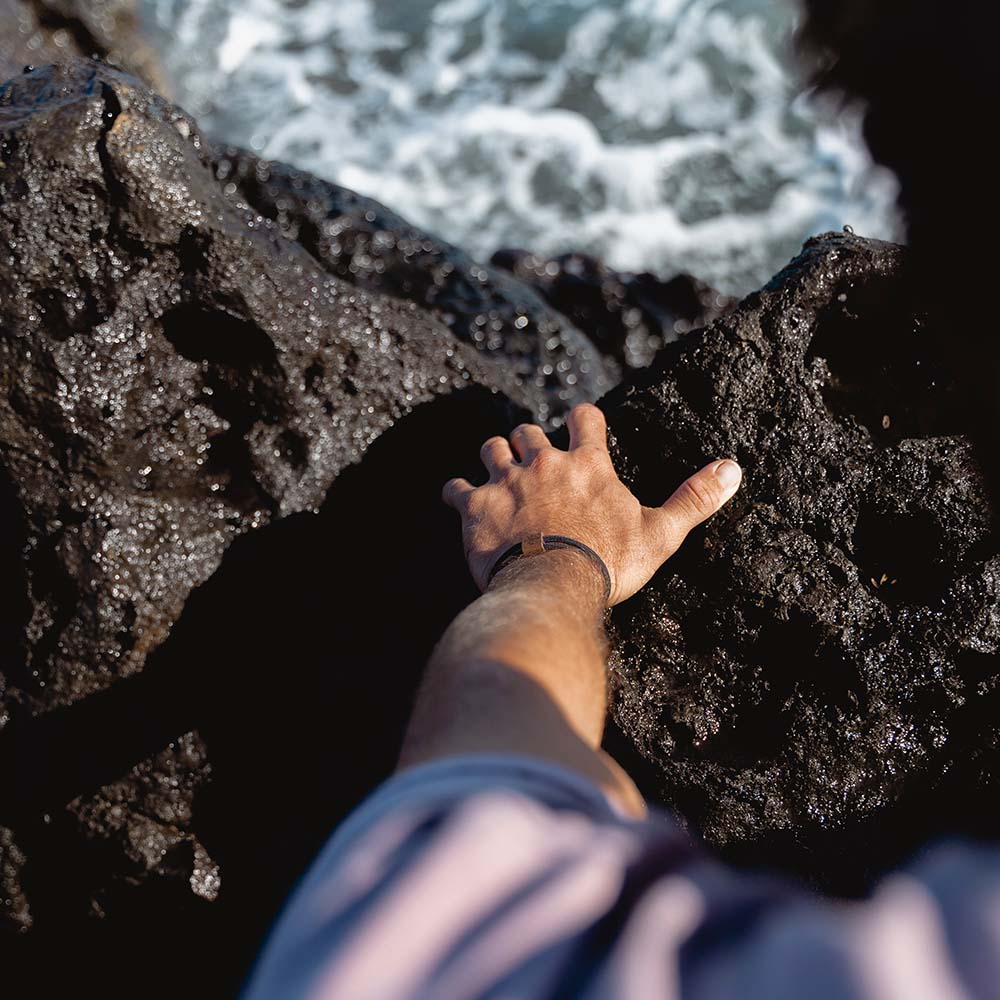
<point>37,32</point>
<point>628,316</point>
<point>174,373</point>
<point>148,816</point>
<point>825,653</point>
<point>12,898</point>
<point>363,242</point>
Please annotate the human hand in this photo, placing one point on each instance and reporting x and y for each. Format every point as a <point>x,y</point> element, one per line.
<point>537,488</point>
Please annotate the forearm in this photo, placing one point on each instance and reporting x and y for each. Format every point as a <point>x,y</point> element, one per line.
<point>522,669</point>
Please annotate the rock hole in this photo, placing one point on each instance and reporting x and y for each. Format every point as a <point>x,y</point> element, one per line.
<point>886,367</point>
<point>228,461</point>
<point>192,252</point>
<point>63,320</point>
<point>294,449</point>
<point>792,663</point>
<point>978,670</point>
<point>899,557</point>
<point>126,635</point>
<point>241,360</point>
<point>219,338</point>
<point>313,376</point>
<point>350,366</point>
<point>18,190</point>
<point>178,860</point>
<point>767,422</point>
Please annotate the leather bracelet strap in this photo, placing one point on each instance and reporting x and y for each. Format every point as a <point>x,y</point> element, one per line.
<point>537,544</point>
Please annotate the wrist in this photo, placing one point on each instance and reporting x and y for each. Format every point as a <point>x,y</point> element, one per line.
<point>536,544</point>
<point>567,573</point>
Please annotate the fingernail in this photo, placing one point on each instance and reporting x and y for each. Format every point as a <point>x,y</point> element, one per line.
<point>729,474</point>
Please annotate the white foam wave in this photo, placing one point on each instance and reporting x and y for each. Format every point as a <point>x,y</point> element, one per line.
<point>658,134</point>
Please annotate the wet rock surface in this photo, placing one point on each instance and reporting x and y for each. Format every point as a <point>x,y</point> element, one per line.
<point>149,812</point>
<point>822,660</point>
<point>296,664</point>
<point>363,242</point>
<point>628,316</point>
<point>11,861</point>
<point>174,374</point>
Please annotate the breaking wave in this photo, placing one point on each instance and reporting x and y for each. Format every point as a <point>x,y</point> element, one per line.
<point>660,135</point>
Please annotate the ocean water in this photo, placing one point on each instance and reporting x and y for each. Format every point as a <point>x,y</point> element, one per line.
<point>660,135</point>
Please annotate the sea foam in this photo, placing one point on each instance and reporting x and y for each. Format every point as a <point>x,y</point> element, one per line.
<point>658,134</point>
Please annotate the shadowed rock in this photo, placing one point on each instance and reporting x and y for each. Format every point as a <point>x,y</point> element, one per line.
<point>174,373</point>
<point>823,658</point>
<point>928,69</point>
<point>628,316</point>
<point>148,815</point>
<point>11,862</point>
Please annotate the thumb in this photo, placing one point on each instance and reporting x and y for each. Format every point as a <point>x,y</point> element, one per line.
<point>696,500</point>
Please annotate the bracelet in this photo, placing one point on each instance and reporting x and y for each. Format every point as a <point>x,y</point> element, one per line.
<point>535,545</point>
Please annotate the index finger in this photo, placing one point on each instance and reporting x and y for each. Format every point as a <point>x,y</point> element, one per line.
<point>456,493</point>
<point>587,427</point>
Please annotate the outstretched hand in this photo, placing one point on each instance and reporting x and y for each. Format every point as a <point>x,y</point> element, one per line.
<point>536,488</point>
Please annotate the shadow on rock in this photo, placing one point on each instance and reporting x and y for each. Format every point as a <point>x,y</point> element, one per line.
<point>296,663</point>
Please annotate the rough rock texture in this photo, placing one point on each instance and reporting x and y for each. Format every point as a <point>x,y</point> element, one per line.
<point>366,244</point>
<point>39,32</point>
<point>628,316</point>
<point>147,816</point>
<point>826,653</point>
<point>13,903</point>
<point>173,373</point>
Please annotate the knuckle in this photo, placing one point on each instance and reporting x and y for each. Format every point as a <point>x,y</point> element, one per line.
<point>591,415</point>
<point>592,457</point>
<point>490,445</point>
<point>700,495</point>
<point>452,492</point>
<point>546,460</point>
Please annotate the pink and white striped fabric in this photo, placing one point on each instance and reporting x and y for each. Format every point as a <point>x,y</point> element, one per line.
<point>509,878</point>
